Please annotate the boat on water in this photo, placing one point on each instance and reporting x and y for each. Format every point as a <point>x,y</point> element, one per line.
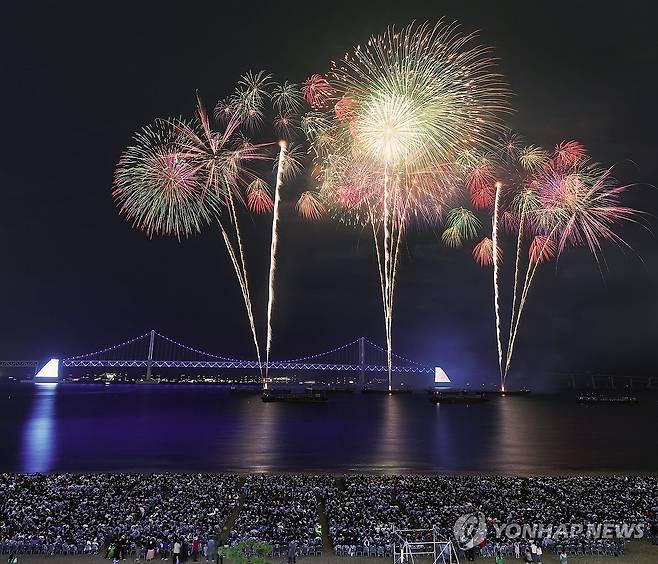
<point>459,397</point>
<point>313,396</point>
<point>607,399</point>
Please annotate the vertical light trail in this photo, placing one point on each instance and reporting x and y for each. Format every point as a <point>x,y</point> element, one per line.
<point>245,280</point>
<point>387,278</point>
<point>244,288</point>
<point>519,241</point>
<point>273,250</point>
<point>529,276</point>
<point>494,238</point>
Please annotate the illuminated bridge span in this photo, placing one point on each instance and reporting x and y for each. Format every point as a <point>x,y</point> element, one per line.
<point>154,350</point>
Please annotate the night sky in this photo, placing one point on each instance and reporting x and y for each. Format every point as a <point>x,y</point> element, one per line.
<point>78,78</point>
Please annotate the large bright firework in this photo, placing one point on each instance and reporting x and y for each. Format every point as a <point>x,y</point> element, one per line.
<point>406,104</point>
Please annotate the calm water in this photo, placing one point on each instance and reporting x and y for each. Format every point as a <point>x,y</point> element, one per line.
<point>196,428</point>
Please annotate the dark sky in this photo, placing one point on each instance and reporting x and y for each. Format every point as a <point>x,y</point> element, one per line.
<point>78,78</point>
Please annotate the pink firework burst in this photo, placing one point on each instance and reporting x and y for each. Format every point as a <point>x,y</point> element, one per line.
<point>349,197</point>
<point>309,207</point>
<point>317,90</point>
<point>345,109</point>
<point>569,153</point>
<point>258,197</point>
<point>483,252</point>
<point>480,182</point>
<point>582,203</point>
<point>542,249</point>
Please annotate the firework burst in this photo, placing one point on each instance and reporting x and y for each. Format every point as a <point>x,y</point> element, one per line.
<point>259,200</point>
<point>406,105</point>
<point>552,200</point>
<point>309,206</point>
<point>483,252</point>
<point>182,175</point>
<point>317,91</point>
<point>157,189</point>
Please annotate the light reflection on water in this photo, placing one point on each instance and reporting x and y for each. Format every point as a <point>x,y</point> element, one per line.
<point>87,428</point>
<point>38,448</point>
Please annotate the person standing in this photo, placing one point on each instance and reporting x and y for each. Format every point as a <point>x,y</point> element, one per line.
<point>517,550</point>
<point>150,550</point>
<point>499,558</point>
<point>175,555</point>
<point>292,552</point>
<point>13,559</point>
<point>211,552</point>
<point>563,557</point>
<point>540,552</point>
<point>196,548</point>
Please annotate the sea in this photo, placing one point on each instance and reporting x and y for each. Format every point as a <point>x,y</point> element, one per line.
<point>198,428</point>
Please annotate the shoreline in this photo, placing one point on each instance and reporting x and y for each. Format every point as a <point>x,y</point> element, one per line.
<point>637,552</point>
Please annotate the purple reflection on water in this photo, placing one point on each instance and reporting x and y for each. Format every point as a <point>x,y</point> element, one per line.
<point>38,445</point>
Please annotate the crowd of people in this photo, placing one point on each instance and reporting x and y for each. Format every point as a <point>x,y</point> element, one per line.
<point>279,509</point>
<point>86,513</point>
<point>179,516</point>
<point>364,515</point>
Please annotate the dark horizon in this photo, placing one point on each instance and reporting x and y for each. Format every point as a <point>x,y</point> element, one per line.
<point>81,79</point>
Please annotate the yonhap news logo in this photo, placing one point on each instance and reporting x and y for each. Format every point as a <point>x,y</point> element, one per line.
<point>470,530</point>
<point>562,531</point>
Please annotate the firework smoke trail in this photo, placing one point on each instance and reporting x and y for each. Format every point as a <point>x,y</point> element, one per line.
<point>494,239</point>
<point>273,250</point>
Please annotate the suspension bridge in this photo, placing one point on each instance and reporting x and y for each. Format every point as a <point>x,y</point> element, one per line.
<point>153,350</point>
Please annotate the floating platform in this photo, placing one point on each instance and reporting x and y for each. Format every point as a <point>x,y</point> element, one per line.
<point>384,391</point>
<point>293,397</point>
<point>617,400</point>
<point>458,397</point>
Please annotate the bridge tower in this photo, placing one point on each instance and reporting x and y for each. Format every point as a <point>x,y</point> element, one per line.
<point>362,361</point>
<point>149,362</point>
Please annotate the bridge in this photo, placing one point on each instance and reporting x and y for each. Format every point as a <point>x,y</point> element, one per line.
<point>155,350</point>
<point>19,364</point>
